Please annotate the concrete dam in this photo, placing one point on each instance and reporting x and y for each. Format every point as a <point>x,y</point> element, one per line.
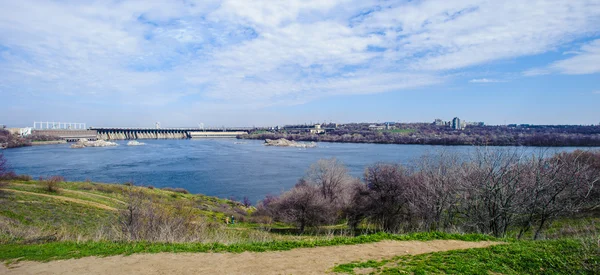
<point>171,133</point>
<point>140,133</point>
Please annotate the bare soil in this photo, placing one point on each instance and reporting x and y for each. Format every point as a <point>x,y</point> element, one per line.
<point>318,260</point>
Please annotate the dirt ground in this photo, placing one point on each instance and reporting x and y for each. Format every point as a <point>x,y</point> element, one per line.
<point>317,260</point>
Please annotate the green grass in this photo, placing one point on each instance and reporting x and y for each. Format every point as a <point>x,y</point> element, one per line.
<point>85,196</point>
<point>51,214</point>
<point>565,256</point>
<point>68,250</point>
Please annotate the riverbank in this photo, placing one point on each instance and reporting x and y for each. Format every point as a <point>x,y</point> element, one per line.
<point>426,134</point>
<point>50,142</point>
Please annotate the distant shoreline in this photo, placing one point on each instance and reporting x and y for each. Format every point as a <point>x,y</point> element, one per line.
<point>311,139</point>
<point>50,142</point>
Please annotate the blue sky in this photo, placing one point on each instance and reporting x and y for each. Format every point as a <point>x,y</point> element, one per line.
<point>244,63</point>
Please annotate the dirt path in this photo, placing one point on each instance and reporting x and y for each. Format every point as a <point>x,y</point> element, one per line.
<point>317,260</point>
<point>88,203</point>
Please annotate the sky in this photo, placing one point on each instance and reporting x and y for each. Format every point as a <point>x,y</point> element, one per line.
<point>265,63</point>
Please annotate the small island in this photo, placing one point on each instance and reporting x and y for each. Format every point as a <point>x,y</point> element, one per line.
<point>288,143</point>
<point>98,143</point>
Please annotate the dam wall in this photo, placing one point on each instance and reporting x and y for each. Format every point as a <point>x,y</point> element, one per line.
<point>230,134</point>
<point>176,133</point>
<point>68,135</point>
<point>124,135</point>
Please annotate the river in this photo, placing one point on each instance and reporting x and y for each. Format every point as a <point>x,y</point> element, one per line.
<point>217,167</point>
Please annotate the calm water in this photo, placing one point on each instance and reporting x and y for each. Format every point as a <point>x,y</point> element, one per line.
<point>216,167</point>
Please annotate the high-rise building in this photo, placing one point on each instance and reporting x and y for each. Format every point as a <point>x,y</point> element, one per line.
<point>456,125</point>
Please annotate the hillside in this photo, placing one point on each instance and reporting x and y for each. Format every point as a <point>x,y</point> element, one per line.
<point>49,219</point>
<point>79,211</point>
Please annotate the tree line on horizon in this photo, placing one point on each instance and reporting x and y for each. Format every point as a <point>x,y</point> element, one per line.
<point>493,192</point>
<point>423,133</point>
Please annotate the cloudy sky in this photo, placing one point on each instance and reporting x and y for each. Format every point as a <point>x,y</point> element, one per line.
<point>244,63</point>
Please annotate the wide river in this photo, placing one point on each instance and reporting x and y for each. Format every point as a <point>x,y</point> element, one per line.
<point>217,167</point>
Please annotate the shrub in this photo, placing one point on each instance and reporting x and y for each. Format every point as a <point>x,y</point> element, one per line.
<point>145,220</point>
<point>246,202</point>
<point>13,176</point>
<point>495,191</point>
<point>304,206</point>
<point>385,201</point>
<point>52,184</point>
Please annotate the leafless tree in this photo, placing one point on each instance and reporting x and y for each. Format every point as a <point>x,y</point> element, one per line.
<point>561,185</point>
<point>385,196</point>
<point>493,192</point>
<point>130,218</point>
<point>331,176</point>
<point>490,190</point>
<point>304,206</point>
<point>435,195</point>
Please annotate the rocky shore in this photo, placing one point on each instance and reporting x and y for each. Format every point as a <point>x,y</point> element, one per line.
<point>98,143</point>
<point>288,143</point>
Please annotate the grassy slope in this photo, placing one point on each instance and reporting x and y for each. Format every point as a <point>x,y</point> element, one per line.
<point>113,195</point>
<point>76,208</point>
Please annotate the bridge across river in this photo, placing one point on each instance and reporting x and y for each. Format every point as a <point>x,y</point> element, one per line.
<point>119,133</point>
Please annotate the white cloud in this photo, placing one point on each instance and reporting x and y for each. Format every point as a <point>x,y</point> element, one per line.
<point>585,61</point>
<point>262,53</point>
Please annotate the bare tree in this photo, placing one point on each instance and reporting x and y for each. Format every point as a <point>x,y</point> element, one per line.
<point>557,186</point>
<point>435,195</point>
<point>130,218</point>
<point>331,176</point>
<point>385,201</point>
<point>304,206</point>
<point>493,192</point>
<point>490,190</point>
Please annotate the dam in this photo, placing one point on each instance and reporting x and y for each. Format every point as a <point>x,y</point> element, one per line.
<point>166,133</point>
<point>73,132</point>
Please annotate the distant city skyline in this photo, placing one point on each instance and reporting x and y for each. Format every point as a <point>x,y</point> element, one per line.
<point>264,63</point>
